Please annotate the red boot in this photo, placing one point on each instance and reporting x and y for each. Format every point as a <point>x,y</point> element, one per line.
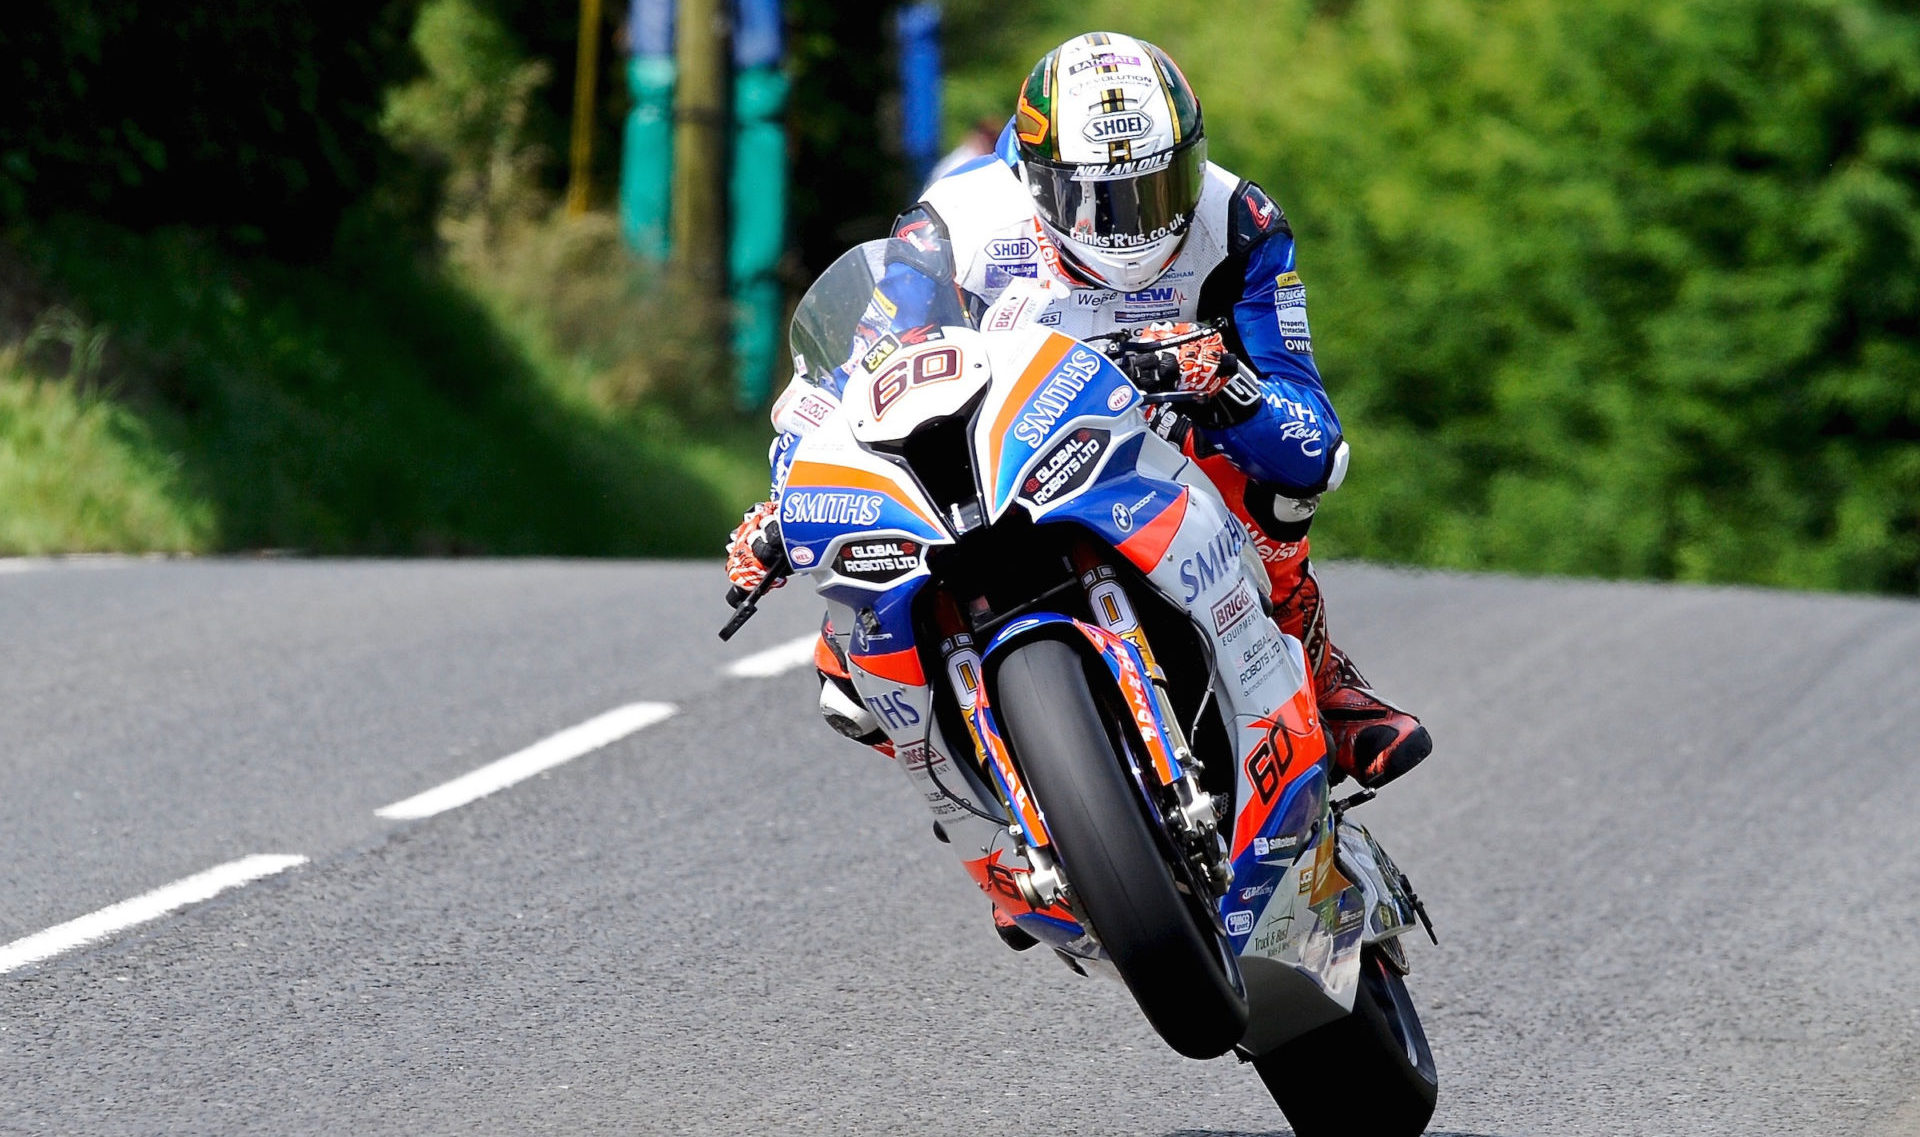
<point>1372,740</point>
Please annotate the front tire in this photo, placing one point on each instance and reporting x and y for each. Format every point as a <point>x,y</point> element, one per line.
<point>1119,879</point>
<point>1370,1071</point>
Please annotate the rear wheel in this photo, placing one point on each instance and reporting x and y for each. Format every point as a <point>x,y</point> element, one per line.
<point>1174,964</point>
<point>1370,1071</point>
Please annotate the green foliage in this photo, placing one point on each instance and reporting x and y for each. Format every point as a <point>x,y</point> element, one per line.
<point>368,405</point>
<point>1613,288</point>
<point>257,116</point>
<point>467,117</point>
<point>79,472</point>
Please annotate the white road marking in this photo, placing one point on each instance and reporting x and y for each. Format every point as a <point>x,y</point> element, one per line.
<point>147,906</point>
<point>545,754</point>
<point>775,660</point>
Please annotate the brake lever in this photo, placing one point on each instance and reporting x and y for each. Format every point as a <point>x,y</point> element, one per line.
<point>749,606</point>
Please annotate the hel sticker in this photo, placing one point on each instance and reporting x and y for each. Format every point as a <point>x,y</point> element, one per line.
<point>1119,399</point>
<point>801,555</point>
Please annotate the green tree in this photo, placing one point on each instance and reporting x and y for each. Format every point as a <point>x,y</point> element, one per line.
<point>1614,288</point>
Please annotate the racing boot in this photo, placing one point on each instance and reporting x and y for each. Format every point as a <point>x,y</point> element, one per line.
<point>840,704</point>
<point>1373,741</point>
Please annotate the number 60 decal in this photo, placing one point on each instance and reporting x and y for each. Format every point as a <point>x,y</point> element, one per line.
<point>926,367</point>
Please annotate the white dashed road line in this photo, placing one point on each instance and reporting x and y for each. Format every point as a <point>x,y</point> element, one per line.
<point>571,743</point>
<point>775,660</point>
<point>147,906</point>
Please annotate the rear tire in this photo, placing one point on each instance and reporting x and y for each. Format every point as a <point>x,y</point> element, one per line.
<point>1368,1072</point>
<point>1117,874</point>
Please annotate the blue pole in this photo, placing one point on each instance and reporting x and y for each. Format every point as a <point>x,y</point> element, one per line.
<point>646,155</point>
<point>757,197</point>
<point>916,31</point>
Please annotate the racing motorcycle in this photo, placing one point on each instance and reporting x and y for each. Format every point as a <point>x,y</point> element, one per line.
<point>1065,634</point>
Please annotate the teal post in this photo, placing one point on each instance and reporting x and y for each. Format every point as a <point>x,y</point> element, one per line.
<point>646,154</point>
<point>757,199</point>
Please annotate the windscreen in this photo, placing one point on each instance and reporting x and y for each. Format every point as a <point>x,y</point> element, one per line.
<point>883,288</point>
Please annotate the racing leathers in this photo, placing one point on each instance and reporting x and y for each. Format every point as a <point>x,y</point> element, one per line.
<point>1272,445</point>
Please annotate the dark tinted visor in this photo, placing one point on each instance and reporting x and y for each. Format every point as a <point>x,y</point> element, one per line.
<point>1124,205</point>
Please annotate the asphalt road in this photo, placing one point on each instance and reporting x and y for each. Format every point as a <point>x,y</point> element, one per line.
<point>1669,840</point>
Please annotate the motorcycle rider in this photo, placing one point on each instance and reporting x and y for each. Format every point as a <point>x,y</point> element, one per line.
<point>1100,188</point>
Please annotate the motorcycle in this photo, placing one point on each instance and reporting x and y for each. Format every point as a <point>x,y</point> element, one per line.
<point>1065,634</point>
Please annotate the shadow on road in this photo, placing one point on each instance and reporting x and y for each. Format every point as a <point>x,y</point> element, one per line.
<point>1289,1133</point>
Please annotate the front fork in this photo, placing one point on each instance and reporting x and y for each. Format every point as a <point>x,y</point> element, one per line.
<point>1196,813</point>
<point>1043,885</point>
<point>1193,815</point>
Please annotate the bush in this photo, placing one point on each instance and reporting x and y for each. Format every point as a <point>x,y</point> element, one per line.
<point>255,116</point>
<point>1610,288</point>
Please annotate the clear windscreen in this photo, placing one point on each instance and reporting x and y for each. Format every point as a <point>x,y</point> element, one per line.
<point>891,287</point>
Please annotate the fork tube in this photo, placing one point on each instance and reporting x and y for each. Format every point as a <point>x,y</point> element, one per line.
<point>1111,608</point>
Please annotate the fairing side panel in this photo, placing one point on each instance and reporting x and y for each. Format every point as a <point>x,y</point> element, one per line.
<point>835,491</point>
<point>1045,385</point>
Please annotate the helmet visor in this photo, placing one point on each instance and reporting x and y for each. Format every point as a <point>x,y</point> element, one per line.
<point>1122,205</point>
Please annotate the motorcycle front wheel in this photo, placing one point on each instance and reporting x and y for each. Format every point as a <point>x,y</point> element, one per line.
<point>1117,875</point>
<point>1368,1072</point>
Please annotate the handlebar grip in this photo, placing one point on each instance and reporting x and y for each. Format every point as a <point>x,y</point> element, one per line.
<point>748,606</point>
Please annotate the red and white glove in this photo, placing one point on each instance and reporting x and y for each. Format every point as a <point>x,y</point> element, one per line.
<point>1193,360</point>
<point>755,552</point>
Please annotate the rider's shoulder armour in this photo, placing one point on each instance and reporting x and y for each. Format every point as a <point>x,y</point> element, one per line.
<point>1253,217</point>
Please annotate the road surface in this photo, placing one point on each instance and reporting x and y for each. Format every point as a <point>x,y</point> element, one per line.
<point>1669,839</point>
